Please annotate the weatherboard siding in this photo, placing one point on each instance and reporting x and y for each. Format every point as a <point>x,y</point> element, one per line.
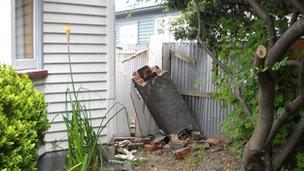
<point>89,58</point>
<point>145,29</point>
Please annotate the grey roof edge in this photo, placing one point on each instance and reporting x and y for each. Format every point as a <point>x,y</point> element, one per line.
<point>137,11</point>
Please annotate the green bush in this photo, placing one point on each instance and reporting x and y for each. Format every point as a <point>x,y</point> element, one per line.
<point>300,161</point>
<point>23,121</point>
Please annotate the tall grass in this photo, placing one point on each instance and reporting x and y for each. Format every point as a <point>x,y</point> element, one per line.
<point>86,151</point>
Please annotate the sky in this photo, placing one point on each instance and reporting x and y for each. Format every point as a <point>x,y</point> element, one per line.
<point>122,5</point>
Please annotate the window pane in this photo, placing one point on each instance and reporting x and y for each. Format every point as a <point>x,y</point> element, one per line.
<point>24,29</point>
<point>128,34</point>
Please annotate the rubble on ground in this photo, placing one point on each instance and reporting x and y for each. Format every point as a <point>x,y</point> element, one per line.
<point>180,146</point>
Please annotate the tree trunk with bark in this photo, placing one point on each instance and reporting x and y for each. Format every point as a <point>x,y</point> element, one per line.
<point>257,152</point>
<point>253,152</point>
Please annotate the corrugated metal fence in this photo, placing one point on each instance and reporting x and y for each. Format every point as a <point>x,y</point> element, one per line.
<point>191,70</point>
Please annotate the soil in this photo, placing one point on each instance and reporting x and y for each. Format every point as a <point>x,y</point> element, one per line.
<point>221,160</point>
<point>213,160</point>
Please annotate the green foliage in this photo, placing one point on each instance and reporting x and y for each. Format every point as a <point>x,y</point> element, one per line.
<point>300,161</point>
<point>23,121</point>
<point>85,150</point>
<point>197,154</point>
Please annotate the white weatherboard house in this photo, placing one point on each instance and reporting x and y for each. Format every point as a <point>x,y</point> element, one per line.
<point>32,39</point>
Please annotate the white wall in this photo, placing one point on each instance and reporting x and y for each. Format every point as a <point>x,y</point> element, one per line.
<point>92,52</point>
<point>6,36</point>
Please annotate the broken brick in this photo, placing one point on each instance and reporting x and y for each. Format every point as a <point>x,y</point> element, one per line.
<point>136,146</point>
<point>156,70</point>
<point>196,135</point>
<point>136,140</point>
<point>217,148</point>
<point>125,143</point>
<point>148,148</point>
<point>167,149</point>
<point>147,140</point>
<point>213,141</point>
<point>141,82</point>
<point>188,141</point>
<point>177,144</point>
<point>136,78</point>
<point>181,154</point>
<point>159,146</point>
<point>160,152</point>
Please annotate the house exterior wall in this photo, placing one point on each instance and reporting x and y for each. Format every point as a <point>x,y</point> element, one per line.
<point>6,33</point>
<point>144,19</point>
<point>91,55</point>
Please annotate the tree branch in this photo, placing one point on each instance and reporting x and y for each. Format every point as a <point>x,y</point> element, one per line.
<point>238,93</point>
<point>292,107</point>
<point>293,33</point>
<point>202,44</point>
<point>297,6</point>
<point>239,96</point>
<point>294,18</point>
<point>291,141</point>
<point>253,151</point>
<point>199,25</point>
<point>293,63</point>
<point>267,19</point>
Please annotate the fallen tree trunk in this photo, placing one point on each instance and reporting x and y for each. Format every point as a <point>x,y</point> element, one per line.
<point>163,100</point>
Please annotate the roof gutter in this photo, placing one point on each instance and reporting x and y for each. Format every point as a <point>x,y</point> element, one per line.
<point>137,11</point>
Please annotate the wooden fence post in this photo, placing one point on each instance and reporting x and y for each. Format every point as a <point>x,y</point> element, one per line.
<point>166,58</point>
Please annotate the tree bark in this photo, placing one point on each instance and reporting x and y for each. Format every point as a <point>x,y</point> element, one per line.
<point>253,152</point>
<point>289,109</point>
<point>291,141</point>
<point>292,107</point>
<point>297,6</point>
<point>292,34</point>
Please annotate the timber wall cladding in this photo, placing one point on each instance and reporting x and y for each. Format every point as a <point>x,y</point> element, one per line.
<point>193,79</point>
<point>88,55</point>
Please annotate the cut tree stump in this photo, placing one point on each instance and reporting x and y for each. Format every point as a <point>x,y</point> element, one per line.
<point>163,100</point>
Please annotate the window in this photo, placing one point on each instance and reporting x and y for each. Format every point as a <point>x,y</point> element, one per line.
<point>164,26</point>
<point>128,34</point>
<point>27,34</point>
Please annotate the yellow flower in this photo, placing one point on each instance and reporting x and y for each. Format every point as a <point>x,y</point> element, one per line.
<point>67,28</point>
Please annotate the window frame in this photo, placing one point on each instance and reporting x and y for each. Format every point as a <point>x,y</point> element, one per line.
<point>36,62</point>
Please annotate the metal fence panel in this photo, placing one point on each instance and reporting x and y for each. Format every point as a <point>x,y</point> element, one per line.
<point>194,81</point>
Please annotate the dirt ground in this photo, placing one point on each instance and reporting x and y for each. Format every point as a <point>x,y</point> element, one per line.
<point>212,160</point>
<point>221,160</point>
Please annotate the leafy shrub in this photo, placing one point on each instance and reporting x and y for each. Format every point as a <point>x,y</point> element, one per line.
<point>23,121</point>
<point>300,161</point>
